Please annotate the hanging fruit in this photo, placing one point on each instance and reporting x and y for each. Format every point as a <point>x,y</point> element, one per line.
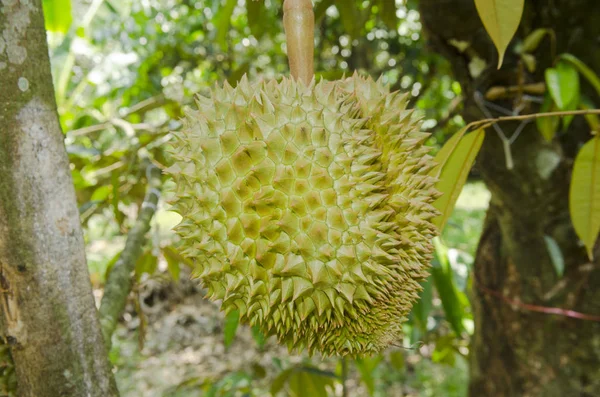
<point>307,205</point>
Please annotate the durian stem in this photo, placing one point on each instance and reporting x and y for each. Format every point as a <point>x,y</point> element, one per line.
<point>299,25</point>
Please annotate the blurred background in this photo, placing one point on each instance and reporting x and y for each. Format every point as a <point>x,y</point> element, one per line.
<point>124,71</point>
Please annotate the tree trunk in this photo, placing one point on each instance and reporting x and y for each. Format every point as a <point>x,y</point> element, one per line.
<point>518,350</point>
<point>48,315</point>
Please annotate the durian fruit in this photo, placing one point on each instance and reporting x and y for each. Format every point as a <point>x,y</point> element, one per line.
<point>307,208</point>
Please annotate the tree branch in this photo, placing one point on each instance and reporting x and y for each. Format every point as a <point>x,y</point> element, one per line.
<point>487,122</point>
<point>119,282</point>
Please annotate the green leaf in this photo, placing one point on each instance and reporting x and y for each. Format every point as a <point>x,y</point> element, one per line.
<point>366,366</point>
<point>101,193</point>
<point>584,195</point>
<point>303,381</point>
<point>232,320</point>
<point>313,384</point>
<point>444,283</point>
<point>530,62</point>
<point>258,371</point>
<point>57,15</point>
<point>556,256</point>
<point>585,71</point>
<point>111,264</point>
<point>387,11</point>
<point>222,20</point>
<point>454,173</point>
<point>147,263</point>
<point>280,381</point>
<point>566,120</point>
<point>259,337</point>
<point>442,156</point>
<point>397,360</point>
<point>563,84</point>
<point>444,351</point>
<point>501,19</point>
<point>173,263</point>
<point>119,216</point>
<point>547,126</point>
<point>592,119</point>
<point>533,40</point>
<point>171,252</point>
<point>422,307</point>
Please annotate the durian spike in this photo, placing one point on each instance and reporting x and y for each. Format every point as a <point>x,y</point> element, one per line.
<point>299,25</point>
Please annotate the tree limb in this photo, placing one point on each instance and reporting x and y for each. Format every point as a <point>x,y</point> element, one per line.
<point>485,123</point>
<point>119,282</point>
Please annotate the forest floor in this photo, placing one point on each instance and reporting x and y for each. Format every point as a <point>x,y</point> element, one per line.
<point>176,347</point>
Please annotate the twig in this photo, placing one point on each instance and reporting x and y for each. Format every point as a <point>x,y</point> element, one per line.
<point>119,282</point>
<point>537,308</point>
<point>89,129</point>
<point>518,131</point>
<point>505,141</point>
<point>140,109</point>
<point>500,92</point>
<point>146,105</point>
<point>531,117</point>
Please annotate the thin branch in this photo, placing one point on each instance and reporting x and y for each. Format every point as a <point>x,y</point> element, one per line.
<point>147,105</point>
<point>518,131</point>
<point>501,92</point>
<point>89,129</point>
<point>119,282</point>
<point>488,122</point>
<point>537,308</point>
<point>140,109</point>
<point>526,117</point>
<point>505,141</point>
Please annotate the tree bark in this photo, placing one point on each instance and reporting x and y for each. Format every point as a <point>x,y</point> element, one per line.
<point>517,351</point>
<point>48,315</point>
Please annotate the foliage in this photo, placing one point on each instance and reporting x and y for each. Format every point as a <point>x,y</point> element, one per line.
<point>455,161</point>
<point>585,193</point>
<point>125,70</point>
<point>303,380</point>
<point>501,20</point>
<point>57,15</point>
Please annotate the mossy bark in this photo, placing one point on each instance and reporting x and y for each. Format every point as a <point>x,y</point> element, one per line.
<point>119,282</point>
<point>517,352</point>
<point>48,316</point>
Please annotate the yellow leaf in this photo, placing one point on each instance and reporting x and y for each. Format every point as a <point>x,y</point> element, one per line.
<point>454,174</point>
<point>584,195</point>
<point>501,19</point>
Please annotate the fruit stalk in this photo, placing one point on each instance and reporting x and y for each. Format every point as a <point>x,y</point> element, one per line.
<point>299,24</point>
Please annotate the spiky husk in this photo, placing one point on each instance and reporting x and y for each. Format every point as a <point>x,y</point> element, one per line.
<point>308,209</point>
